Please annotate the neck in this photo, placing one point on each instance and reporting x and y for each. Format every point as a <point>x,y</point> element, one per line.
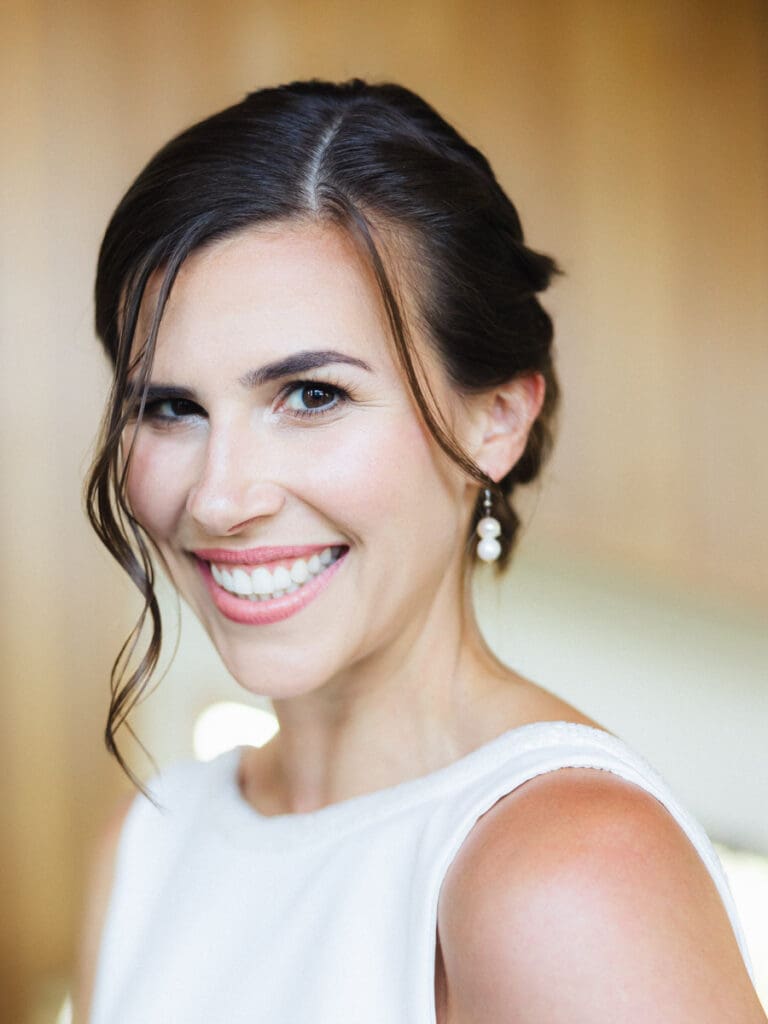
<point>417,705</point>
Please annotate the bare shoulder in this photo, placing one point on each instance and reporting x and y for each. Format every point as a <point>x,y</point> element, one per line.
<point>579,898</point>
<point>99,880</point>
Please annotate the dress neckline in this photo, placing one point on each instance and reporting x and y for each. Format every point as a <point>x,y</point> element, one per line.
<point>244,822</point>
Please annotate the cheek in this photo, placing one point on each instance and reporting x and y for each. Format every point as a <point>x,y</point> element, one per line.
<point>154,489</point>
<point>383,474</point>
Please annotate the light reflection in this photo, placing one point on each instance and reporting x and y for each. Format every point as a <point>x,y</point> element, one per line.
<point>747,875</point>
<point>64,1015</point>
<point>227,724</point>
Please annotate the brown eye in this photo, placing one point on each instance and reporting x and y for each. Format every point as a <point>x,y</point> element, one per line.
<point>315,397</point>
<point>171,409</point>
<point>311,398</point>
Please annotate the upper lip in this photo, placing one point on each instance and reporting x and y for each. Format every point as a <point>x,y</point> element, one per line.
<point>255,556</point>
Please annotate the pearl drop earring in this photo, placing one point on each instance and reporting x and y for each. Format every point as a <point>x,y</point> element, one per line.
<point>488,529</point>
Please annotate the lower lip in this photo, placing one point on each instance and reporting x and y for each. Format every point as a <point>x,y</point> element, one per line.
<point>263,613</point>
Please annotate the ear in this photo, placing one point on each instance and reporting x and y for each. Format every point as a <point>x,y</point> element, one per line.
<point>503,419</point>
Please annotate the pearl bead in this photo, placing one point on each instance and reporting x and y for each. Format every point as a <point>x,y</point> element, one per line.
<point>488,527</point>
<point>488,549</point>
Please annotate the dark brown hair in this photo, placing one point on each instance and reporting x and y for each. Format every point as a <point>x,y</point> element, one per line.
<point>379,162</point>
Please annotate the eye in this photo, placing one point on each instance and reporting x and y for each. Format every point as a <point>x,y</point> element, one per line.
<point>171,410</point>
<point>312,398</point>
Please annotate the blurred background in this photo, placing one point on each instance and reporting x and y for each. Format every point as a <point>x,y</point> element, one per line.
<point>634,140</point>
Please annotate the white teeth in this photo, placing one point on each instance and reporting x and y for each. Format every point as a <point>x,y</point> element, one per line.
<point>262,585</point>
<point>282,578</point>
<point>241,582</point>
<point>262,580</point>
<point>299,571</point>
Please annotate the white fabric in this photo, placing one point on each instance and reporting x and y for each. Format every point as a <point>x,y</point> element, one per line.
<point>220,915</point>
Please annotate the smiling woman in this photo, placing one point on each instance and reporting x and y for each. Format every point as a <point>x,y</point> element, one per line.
<point>331,372</point>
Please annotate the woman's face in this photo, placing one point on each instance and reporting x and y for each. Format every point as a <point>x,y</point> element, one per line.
<point>300,505</point>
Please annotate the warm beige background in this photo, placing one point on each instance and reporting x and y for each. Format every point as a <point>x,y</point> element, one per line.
<point>634,138</point>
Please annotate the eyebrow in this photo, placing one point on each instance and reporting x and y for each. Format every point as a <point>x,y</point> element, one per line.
<point>299,362</point>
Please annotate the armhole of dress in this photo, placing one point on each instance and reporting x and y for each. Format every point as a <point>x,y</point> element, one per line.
<point>635,771</point>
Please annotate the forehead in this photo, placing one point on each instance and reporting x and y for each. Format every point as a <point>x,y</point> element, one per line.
<point>267,291</point>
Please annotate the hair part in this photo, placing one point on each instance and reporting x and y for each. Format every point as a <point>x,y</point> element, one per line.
<point>381,164</point>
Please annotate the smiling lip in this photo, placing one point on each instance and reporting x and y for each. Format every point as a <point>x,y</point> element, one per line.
<point>262,613</point>
<point>257,556</point>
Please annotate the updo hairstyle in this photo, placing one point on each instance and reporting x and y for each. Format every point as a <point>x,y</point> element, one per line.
<point>423,207</point>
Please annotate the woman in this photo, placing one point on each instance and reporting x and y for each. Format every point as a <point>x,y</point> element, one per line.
<point>331,373</point>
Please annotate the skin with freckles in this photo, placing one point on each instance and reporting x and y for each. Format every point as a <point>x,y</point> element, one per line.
<point>383,676</point>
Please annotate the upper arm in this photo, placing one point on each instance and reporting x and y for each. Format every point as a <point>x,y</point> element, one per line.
<point>578,898</point>
<point>98,889</point>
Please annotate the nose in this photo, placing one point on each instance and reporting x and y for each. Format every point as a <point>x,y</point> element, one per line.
<point>234,486</point>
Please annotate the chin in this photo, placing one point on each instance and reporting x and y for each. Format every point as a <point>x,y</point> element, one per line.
<point>278,677</point>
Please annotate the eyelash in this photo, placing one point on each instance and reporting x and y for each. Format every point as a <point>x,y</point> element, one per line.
<point>152,407</point>
<point>341,395</point>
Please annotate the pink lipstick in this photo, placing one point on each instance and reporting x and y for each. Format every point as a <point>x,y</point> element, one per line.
<point>273,609</point>
<point>256,556</point>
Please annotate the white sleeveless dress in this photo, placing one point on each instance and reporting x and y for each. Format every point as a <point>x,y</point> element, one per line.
<point>220,915</point>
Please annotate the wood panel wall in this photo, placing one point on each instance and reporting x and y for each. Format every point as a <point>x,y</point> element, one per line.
<point>634,138</point>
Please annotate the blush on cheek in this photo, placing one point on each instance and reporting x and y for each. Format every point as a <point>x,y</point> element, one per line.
<point>383,468</point>
<point>150,491</point>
